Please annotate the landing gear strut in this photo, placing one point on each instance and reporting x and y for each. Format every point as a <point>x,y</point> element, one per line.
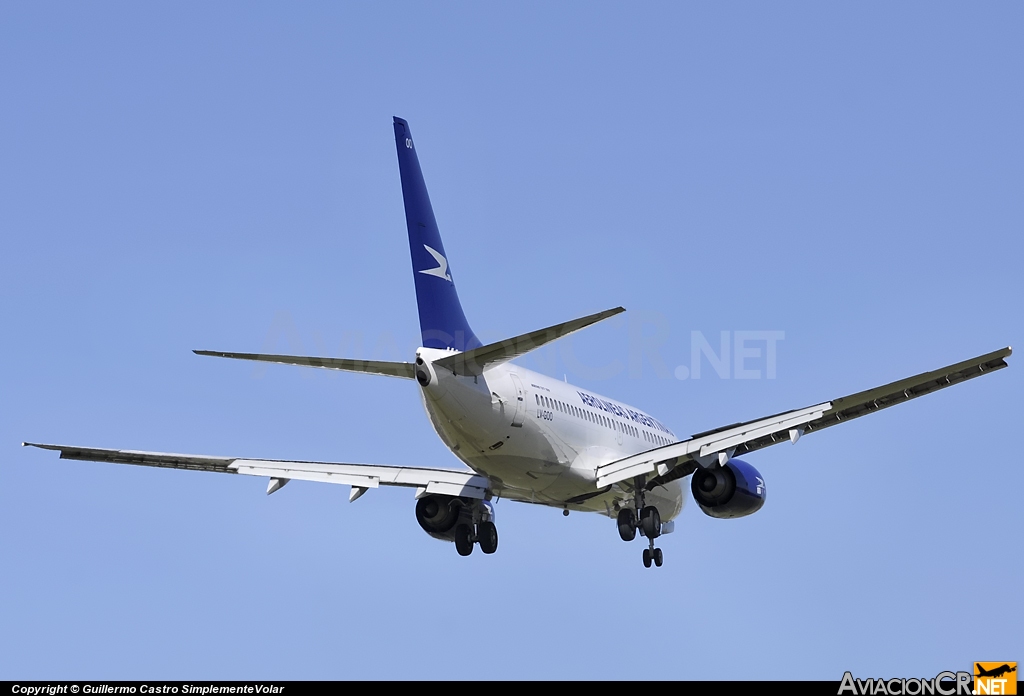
<point>478,530</point>
<point>649,523</point>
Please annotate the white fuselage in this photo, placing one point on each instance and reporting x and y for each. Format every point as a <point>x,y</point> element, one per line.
<point>541,440</point>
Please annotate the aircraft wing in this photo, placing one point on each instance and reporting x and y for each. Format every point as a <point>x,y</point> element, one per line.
<point>359,476</point>
<point>680,459</point>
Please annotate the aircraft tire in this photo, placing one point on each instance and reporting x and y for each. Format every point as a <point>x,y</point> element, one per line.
<point>487,535</point>
<point>658,557</point>
<point>647,558</point>
<point>626,523</point>
<point>650,520</point>
<point>463,540</point>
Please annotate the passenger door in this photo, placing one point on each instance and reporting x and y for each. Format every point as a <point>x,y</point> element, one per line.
<point>520,406</point>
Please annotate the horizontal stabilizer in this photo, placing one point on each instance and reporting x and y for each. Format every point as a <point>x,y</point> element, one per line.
<point>375,367</point>
<point>474,362</point>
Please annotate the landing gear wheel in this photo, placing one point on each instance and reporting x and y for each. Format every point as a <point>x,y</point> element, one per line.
<point>487,535</point>
<point>626,522</point>
<point>463,540</point>
<point>658,558</point>
<point>647,558</point>
<point>650,522</point>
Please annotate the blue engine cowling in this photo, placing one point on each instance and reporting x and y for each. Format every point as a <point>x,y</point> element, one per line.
<point>734,490</point>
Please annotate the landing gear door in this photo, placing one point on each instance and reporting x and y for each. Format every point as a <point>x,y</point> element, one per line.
<point>520,406</point>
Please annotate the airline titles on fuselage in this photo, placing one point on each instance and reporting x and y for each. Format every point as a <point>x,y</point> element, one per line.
<point>622,412</point>
<point>619,420</point>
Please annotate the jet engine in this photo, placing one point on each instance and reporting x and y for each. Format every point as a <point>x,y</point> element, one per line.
<point>438,515</point>
<point>733,490</point>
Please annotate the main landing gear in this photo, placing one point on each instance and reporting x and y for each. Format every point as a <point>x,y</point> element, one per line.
<point>486,535</point>
<point>465,521</point>
<point>649,524</point>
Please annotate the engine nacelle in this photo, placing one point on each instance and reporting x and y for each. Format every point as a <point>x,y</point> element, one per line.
<point>734,490</point>
<point>438,514</point>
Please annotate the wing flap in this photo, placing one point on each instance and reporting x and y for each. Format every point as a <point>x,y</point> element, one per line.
<point>706,447</point>
<point>369,475</point>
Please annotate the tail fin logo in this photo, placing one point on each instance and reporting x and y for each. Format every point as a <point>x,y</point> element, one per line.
<point>442,265</point>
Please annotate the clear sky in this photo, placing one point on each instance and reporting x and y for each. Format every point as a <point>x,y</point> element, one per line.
<point>223,176</point>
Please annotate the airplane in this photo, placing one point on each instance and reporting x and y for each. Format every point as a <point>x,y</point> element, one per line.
<point>996,672</point>
<point>530,438</point>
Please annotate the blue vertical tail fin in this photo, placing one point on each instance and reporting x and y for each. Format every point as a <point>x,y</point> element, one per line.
<point>442,321</point>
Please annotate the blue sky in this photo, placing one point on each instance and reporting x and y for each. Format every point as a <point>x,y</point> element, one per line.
<point>223,176</point>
